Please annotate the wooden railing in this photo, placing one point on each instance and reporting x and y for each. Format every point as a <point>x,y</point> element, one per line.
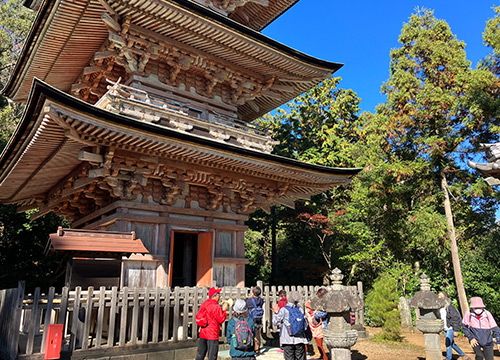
<point>112,318</point>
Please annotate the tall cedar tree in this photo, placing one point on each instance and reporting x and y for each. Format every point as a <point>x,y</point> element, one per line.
<point>425,114</point>
<point>487,90</point>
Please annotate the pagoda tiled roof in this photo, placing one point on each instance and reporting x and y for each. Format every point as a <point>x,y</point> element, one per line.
<point>57,127</point>
<point>67,35</point>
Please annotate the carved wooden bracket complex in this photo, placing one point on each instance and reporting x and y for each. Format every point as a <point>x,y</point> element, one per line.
<point>131,50</point>
<point>119,176</point>
<point>228,6</point>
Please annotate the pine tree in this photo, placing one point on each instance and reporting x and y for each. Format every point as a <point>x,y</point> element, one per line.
<point>382,303</point>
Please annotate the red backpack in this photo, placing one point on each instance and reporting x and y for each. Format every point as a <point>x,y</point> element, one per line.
<point>202,318</point>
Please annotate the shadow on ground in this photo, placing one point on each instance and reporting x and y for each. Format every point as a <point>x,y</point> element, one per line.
<point>358,356</point>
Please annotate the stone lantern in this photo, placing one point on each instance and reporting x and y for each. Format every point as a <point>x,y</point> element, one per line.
<point>427,304</point>
<point>338,304</point>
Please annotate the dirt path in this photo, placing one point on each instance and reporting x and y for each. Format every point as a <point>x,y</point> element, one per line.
<point>411,349</point>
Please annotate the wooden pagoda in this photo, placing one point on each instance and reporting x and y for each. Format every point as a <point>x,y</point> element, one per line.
<point>139,118</point>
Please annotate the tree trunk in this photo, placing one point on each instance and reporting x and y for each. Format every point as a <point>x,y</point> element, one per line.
<point>462,297</point>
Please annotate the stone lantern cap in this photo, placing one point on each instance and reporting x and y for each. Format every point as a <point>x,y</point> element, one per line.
<point>425,298</point>
<point>338,300</point>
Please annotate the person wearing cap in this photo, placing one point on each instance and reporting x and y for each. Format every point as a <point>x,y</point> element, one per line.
<point>240,315</point>
<point>452,324</point>
<point>294,347</point>
<point>209,335</point>
<point>478,325</point>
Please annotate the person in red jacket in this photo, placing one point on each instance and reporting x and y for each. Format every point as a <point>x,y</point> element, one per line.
<point>283,300</point>
<point>215,316</point>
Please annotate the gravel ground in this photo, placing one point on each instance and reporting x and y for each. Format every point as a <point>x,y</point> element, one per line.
<point>412,348</point>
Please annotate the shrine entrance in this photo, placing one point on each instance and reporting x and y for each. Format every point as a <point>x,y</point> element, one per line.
<point>190,259</point>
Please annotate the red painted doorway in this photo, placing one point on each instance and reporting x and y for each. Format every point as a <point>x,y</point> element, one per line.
<point>191,256</point>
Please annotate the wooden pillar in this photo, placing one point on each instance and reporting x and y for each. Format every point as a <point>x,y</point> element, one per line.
<point>69,272</point>
<point>240,275</point>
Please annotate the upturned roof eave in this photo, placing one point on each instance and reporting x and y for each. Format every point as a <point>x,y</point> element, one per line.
<point>42,91</point>
<point>278,15</point>
<point>13,83</point>
<point>40,23</point>
<point>256,35</point>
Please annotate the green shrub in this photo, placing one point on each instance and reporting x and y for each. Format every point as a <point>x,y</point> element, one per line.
<point>382,307</point>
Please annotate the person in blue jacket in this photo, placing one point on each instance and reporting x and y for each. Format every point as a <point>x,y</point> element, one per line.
<point>239,328</point>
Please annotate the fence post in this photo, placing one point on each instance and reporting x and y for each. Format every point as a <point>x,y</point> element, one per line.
<point>88,319</point>
<point>48,314</point>
<point>17,308</point>
<point>34,324</point>
<point>260,284</point>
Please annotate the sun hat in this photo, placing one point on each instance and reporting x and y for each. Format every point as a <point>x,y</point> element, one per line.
<point>240,306</point>
<point>476,302</point>
<point>294,297</point>
<point>213,291</point>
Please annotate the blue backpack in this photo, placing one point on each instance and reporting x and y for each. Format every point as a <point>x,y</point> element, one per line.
<point>297,323</point>
<point>257,312</point>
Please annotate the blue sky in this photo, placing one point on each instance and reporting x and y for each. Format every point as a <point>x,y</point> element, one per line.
<point>360,34</point>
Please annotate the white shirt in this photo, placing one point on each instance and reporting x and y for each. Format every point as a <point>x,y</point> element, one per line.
<point>442,313</point>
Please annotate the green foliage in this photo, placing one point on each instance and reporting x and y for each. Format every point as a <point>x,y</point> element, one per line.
<point>391,216</point>
<point>22,250</point>
<point>15,23</point>
<point>320,126</point>
<point>382,307</point>
<point>257,250</point>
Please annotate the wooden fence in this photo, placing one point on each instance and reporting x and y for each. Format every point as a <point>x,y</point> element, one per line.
<point>112,318</point>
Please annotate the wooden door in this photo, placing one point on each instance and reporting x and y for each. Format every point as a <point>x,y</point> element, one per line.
<point>205,257</point>
<point>200,262</point>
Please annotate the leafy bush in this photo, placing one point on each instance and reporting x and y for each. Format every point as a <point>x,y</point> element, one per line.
<point>382,307</point>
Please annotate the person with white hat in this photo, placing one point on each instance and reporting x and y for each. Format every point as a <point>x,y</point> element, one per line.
<point>240,332</point>
<point>478,324</point>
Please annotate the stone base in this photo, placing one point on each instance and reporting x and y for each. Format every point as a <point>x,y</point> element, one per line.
<point>340,354</point>
<point>432,346</point>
